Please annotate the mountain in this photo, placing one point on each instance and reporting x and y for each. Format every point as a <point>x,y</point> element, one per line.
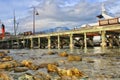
<point>57,29</point>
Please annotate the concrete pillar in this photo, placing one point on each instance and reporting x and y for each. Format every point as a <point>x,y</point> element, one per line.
<point>18,41</point>
<point>23,43</point>
<point>39,42</point>
<point>12,43</point>
<point>85,42</point>
<point>58,41</point>
<point>49,42</point>
<point>71,41</point>
<point>31,46</point>
<point>103,44</point>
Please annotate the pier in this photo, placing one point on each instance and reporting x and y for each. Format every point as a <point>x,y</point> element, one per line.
<point>67,38</point>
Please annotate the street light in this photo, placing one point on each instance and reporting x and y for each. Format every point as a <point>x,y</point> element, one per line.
<point>34,13</point>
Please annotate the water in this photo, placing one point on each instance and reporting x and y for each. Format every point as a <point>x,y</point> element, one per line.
<point>96,67</point>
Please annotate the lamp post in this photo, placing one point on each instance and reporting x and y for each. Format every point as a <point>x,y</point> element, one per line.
<point>34,13</point>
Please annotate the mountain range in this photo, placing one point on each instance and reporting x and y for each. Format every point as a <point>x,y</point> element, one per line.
<point>56,29</point>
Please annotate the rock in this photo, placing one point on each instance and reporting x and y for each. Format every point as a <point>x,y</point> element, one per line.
<point>52,53</point>
<point>33,67</point>
<point>42,76</point>
<point>2,54</point>
<point>51,68</point>
<point>45,65</point>
<point>74,58</point>
<point>29,64</point>
<point>10,64</point>
<point>7,58</point>
<point>26,63</point>
<point>26,76</point>
<point>69,72</point>
<point>4,51</point>
<point>5,76</point>
<point>90,61</point>
<point>63,54</point>
<point>76,72</point>
<point>20,69</point>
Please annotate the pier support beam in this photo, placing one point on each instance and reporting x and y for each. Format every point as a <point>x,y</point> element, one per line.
<point>39,42</point>
<point>85,42</point>
<point>71,41</point>
<point>23,42</point>
<point>58,41</point>
<point>103,44</point>
<point>31,46</point>
<point>49,42</point>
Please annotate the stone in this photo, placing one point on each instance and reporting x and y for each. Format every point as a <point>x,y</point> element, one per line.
<point>69,72</point>
<point>26,77</point>
<point>33,67</point>
<point>63,54</point>
<point>52,53</point>
<point>51,68</point>
<point>9,64</point>
<point>45,65</point>
<point>29,64</point>
<point>4,51</point>
<point>90,61</point>
<point>7,58</point>
<point>76,72</point>
<point>74,58</point>
<point>26,63</point>
<point>20,69</point>
<point>2,54</point>
<point>5,76</point>
<point>42,76</point>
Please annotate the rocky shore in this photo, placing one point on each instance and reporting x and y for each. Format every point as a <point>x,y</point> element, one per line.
<point>53,65</point>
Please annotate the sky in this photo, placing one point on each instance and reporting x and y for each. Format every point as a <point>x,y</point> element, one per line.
<point>53,13</point>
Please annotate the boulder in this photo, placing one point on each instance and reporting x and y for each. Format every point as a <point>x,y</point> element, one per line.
<point>42,76</point>
<point>5,76</point>
<point>29,64</point>
<point>2,54</point>
<point>20,69</point>
<point>74,58</point>
<point>9,64</point>
<point>26,76</point>
<point>4,51</point>
<point>51,68</point>
<point>69,72</point>
<point>26,63</point>
<point>45,65</point>
<point>7,58</point>
<point>33,67</point>
<point>63,54</point>
<point>52,53</point>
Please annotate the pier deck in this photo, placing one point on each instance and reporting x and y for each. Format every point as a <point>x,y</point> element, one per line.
<point>101,30</point>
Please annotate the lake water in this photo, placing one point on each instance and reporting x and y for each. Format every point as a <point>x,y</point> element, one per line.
<point>97,67</point>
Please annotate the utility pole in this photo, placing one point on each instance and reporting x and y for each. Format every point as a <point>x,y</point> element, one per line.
<point>14,23</point>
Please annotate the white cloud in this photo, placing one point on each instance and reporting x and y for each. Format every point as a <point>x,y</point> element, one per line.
<point>54,13</point>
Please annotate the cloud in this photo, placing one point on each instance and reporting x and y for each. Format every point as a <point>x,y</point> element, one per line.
<point>113,6</point>
<point>60,13</point>
<point>51,14</point>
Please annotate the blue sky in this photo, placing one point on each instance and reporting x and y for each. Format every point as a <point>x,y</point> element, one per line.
<point>54,13</point>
